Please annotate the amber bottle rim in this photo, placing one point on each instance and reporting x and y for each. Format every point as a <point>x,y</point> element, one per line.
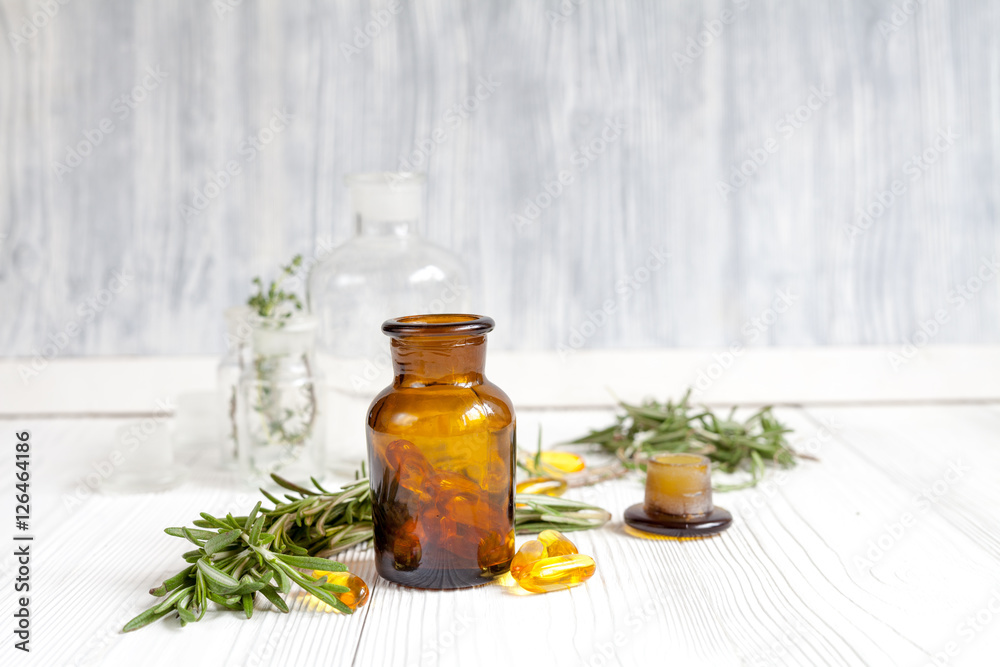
<point>447,324</point>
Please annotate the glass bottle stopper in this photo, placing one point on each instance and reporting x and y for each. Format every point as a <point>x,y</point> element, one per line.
<point>678,500</point>
<point>387,196</point>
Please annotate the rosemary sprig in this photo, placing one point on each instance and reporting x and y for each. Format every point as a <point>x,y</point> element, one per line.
<point>230,566</point>
<point>535,513</point>
<point>237,557</point>
<point>651,428</point>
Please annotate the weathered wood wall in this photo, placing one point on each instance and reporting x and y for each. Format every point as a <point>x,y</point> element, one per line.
<point>115,115</point>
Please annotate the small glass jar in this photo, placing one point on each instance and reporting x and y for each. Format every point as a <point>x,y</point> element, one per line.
<point>281,401</point>
<point>441,450</point>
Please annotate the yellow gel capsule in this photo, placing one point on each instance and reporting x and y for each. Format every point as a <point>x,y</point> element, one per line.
<point>561,462</point>
<point>530,552</point>
<point>354,598</point>
<point>543,486</point>
<point>556,544</point>
<point>652,536</point>
<point>557,573</point>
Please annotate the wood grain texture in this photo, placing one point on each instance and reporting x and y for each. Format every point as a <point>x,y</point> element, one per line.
<point>228,66</point>
<point>784,586</point>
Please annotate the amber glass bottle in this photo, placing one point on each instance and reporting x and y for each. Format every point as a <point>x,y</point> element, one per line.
<point>441,447</point>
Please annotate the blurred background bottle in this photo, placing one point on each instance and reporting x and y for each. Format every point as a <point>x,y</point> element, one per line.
<point>386,270</point>
<point>230,368</point>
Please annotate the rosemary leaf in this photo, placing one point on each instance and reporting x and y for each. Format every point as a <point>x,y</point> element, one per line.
<point>221,541</point>
<point>271,593</point>
<point>307,563</point>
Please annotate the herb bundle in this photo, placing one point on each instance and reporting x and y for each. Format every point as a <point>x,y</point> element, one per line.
<point>230,566</point>
<point>641,431</point>
<point>237,557</point>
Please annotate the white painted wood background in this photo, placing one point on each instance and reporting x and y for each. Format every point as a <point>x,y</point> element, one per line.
<point>888,85</point>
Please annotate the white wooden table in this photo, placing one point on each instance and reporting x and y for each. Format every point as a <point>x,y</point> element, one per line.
<point>885,552</point>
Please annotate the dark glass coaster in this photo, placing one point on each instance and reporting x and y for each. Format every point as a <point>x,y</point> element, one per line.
<point>669,525</point>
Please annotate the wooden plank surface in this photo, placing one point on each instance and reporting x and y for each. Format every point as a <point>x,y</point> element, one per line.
<point>894,83</point>
<point>794,582</point>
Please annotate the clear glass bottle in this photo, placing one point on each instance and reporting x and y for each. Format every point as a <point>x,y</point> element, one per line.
<point>228,375</point>
<point>281,401</point>
<point>386,270</point>
<point>441,448</point>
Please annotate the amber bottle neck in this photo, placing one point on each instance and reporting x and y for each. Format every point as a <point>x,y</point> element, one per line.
<point>420,362</point>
